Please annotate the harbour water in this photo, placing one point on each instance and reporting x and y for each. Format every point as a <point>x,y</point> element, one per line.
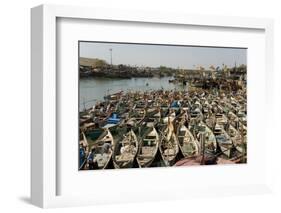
<point>93,90</point>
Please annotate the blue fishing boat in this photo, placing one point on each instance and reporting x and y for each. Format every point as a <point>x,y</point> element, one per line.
<point>175,105</point>
<point>113,119</point>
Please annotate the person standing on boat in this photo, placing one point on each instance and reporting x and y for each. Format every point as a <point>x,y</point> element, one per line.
<point>91,159</point>
<point>105,148</point>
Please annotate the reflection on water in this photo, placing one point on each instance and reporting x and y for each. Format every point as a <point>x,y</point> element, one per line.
<point>94,89</point>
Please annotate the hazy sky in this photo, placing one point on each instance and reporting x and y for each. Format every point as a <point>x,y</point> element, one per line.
<point>156,55</point>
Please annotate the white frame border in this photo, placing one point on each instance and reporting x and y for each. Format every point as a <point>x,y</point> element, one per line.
<point>43,90</point>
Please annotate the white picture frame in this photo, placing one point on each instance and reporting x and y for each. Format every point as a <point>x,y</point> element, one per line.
<point>44,154</point>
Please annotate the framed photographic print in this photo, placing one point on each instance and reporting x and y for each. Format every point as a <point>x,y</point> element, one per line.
<point>161,105</point>
<point>152,106</point>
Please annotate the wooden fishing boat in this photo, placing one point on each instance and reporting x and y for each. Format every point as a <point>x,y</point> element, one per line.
<point>224,161</point>
<point>223,139</point>
<point>114,96</point>
<point>188,145</point>
<point>171,117</point>
<point>164,108</point>
<point>137,116</point>
<point>191,161</point>
<point>132,122</point>
<point>197,104</point>
<point>221,119</point>
<point>237,139</point>
<point>196,115</point>
<point>157,115</point>
<point>150,121</point>
<point>242,117</point>
<point>125,150</point>
<point>101,119</point>
<point>102,149</point>
<point>185,105</point>
<point>136,119</point>
<point>168,146</point>
<point>148,146</point>
<point>242,146</point>
<point>233,119</point>
<point>91,130</point>
<point>206,138</point>
<point>182,118</point>
<point>211,121</point>
<point>86,118</point>
<point>197,160</point>
<point>151,110</point>
<point>83,150</point>
<point>122,107</point>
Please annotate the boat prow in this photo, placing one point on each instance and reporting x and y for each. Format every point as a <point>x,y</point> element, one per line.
<point>125,150</point>
<point>148,147</point>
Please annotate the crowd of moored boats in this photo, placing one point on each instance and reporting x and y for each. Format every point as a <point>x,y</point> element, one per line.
<point>164,128</point>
